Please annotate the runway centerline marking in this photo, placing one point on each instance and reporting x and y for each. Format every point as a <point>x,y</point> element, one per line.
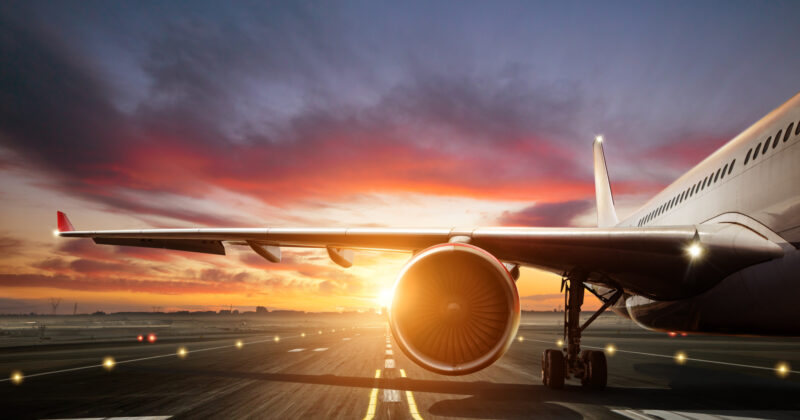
<point>346,339</point>
<point>320,349</point>
<point>373,398</point>
<point>389,352</point>
<point>388,364</point>
<point>412,404</point>
<point>391,395</point>
<point>295,350</point>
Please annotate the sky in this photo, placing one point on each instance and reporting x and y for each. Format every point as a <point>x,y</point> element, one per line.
<point>410,114</point>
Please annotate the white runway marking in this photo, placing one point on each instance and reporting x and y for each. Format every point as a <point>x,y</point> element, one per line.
<point>120,418</point>
<point>295,350</point>
<point>389,352</point>
<point>686,415</point>
<point>320,349</point>
<point>160,356</point>
<point>388,364</point>
<point>688,359</point>
<point>388,346</point>
<point>346,339</point>
<point>391,395</point>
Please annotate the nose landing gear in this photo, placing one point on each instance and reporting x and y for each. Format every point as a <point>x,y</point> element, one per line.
<point>589,365</point>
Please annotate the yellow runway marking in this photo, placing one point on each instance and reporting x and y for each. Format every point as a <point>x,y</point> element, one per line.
<point>373,398</point>
<point>412,405</point>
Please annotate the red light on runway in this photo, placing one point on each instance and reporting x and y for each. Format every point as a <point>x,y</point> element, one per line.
<point>151,338</point>
<point>140,338</point>
<point>672,334</point>
<point>683,334</point>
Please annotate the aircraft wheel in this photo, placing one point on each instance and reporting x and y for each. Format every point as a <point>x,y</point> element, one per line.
<point>596,375</point>
<point>553,369</point>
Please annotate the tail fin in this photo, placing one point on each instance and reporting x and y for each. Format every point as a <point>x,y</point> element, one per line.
<point>606,214</point>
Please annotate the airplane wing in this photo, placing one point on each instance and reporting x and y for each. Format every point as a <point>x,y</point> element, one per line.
<point>657,262</point>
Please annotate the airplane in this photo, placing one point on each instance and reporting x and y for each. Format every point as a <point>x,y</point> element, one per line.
<point>715,252</point>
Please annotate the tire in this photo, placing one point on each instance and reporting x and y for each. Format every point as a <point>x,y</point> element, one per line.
<point>596,367</point>
<point>553,369</point>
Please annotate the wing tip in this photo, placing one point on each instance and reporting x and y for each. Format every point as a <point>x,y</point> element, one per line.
<point>64,225</point>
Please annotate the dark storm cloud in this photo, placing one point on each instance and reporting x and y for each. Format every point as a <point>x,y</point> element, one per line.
<point>289,101</point>
<point>180,139</point>
<point>547,214</point>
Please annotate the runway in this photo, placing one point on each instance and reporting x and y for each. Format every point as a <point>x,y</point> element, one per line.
<point>355,371</point>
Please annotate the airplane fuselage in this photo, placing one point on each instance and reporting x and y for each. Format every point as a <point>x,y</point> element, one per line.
<point>753,181</point>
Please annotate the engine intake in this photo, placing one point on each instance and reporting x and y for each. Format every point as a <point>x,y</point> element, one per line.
<point>455,309</point>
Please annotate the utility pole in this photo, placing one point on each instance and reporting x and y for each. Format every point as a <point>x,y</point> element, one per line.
<point>75,309</point>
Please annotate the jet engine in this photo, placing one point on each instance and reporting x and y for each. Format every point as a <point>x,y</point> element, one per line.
<point>455,309</point>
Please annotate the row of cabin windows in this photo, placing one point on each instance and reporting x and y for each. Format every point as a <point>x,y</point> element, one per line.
<point>721,172</point>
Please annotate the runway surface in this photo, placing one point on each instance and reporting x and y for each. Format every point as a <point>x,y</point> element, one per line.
<point>355,371</point>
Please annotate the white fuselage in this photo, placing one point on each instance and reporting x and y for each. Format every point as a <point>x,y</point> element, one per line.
<point>761,191</point>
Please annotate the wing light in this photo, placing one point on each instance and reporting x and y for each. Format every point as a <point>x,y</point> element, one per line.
<point>694,250</point>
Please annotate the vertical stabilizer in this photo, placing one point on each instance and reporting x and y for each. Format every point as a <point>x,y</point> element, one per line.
<point>606,215</point>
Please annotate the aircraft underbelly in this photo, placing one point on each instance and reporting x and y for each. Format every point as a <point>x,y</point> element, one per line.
<point>758,300</point>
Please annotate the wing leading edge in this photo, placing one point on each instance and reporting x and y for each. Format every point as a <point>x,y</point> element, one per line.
<point>649,261</point>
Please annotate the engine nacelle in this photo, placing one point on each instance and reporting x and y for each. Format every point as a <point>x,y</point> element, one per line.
<point>455,309</point>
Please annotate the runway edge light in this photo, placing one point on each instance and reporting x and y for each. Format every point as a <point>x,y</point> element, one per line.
<point>17,377</point>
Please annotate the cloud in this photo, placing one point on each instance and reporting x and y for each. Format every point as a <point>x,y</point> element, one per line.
<point>547,214</point>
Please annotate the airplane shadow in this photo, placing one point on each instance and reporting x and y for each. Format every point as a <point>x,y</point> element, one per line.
<point>689,389</point>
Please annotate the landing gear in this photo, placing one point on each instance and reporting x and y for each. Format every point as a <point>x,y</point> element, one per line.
<point>589,365</point>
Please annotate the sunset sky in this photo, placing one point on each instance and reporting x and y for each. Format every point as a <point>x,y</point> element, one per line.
<point>412,114</point>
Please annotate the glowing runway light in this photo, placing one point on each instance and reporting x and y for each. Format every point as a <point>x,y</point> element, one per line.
<point>151,338</point>
<point>108,363</point>
<point>303,335</point>
<point>520,338</point>
<point>276,339</point>
<point>611,349</point>
<point>182,352</point>
<point>680,357</point>
<point>560,343</point>
<point>319,332</point>
<point>239,344</point>
<point>140,338</point>
<point>17,377</point>
<point>672,334</point>
<point>782,369</point>
<point>333,330</point>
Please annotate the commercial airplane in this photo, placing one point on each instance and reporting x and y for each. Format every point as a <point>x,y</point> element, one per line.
<point>714,252</point>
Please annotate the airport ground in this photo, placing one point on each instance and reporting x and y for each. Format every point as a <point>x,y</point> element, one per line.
<point>348,367</point>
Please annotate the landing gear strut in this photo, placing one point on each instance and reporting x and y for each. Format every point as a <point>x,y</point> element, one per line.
<point>589,365</point>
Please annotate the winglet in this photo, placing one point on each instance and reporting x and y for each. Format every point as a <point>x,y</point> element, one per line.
<point>64,224</point>
<point>606,214</point>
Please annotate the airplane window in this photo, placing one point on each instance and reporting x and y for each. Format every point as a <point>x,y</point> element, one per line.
<point>755,154</point>
<point>766,146</point>
<point>691,193</point>
<point>716,176</point>
<point>698,186</point>
<point>724,170</point>
<point>704,183</point>
<point>733,162</point>
<point>747,158</point>
<point>797,130</point>
<point>777,139</point>
<point>788,132</point>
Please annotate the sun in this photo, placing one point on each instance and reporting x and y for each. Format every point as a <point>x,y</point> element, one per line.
<point>384,298</point>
